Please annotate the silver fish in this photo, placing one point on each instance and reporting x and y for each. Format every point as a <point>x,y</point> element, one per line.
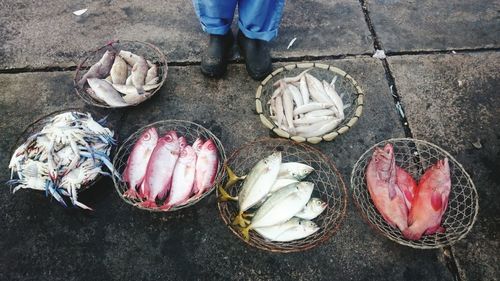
<point>294,170</point>
<point>311,107</point>
<point>281,206</point>
<point>287,106</point>
<point>257,184</point>
<point>297,97</point>
<point>152,73</point>
<point>119,71</point>
<point>335,98</point>
<point>106,92</point>
<point>316,90</point>
<point>303,90</point>
<point>100,69</point>
<point>312,209</point>
<point>311,120</point>
<point>282,182</point>
<point>129,57</point>
<point>290,230</point>
<point>280,115</point>
<point>320,112</point>
<point>139,72</point>
<point>292,79</point>
<point>318,129</point>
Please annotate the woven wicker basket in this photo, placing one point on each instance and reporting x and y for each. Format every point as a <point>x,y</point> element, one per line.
<point>353,95</point>
<point>415,156</point>
<point>144,49</point>
<point>329,187</point>
<point>191,131</point>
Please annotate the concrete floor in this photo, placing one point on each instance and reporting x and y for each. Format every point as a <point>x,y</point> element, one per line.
<point>442,66</point>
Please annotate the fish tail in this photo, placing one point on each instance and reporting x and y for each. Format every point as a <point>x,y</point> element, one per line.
<point>239,220</point>
<point>233,178</point>
<point>224,196</point>
<point>411,235</point>
<point>245,232</point>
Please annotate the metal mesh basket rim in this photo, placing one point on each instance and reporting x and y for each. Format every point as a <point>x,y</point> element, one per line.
<point>332,229</point>
<point>330,136</point>
<point>80,68</point>
<point>37,125</point>
<point>419,244</point>
<point>130,141</point>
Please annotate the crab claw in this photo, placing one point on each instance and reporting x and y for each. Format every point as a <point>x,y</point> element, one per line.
<point>53,191</point>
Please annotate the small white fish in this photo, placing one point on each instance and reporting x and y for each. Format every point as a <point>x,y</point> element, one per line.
<point>316,90</point>
<point>287,106</point>
<point>320,112</point>
<point>291,43</point>
<point>311,120</point>
<point>294,170</point>
<point>119,71</point>
<point>292,79</point>
<point>106,92</point>
<point>79,12</point>
<point>293,229</point>
<point>334,96</point>
<point>296,95</point>
<point>131,90</point>
<point>152,73</point>
<point>303,90</point>
<point>129,57</point>
<point>312,209</point>
<point>312,106</point>
<point>139,73</point>
<point>318,129</point>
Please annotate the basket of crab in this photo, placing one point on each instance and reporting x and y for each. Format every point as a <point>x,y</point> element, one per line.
<point>62,154</point>
<point>168,165</point>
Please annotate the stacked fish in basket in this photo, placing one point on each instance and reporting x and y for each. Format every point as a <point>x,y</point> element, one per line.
<point>168,165</point>
<point>62,154</point>
<point>281,196</point>
<point>415,193</point>
<point>120,74</point>
<point>310,102</point>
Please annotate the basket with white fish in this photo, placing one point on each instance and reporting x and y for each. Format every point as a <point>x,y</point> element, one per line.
<point>168,165</point>
<point>62,154</point>
<point>415,193</point>
<point>121,73</point>
<point>281,196</point>
<point>310,102</point>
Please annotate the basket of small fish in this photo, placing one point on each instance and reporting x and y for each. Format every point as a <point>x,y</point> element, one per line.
<point>121,73</point>
<point>281,196</point>
<point>62,154</point>
<point>415,193</point>
<point>310,102</point>
<point>168,165</point>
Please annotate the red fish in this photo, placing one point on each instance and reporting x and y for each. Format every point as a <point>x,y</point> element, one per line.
<point>182,142</point>
<point>137,162</point>
<point>158,179</point>
<point>407,185</point>
<point>198,143</point>
<point>183,179</point>
<point>431,202</point>
<point>206,167</point>
<point>381,180</point>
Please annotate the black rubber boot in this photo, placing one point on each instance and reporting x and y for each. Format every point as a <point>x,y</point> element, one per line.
<point>214,61</point>
<point>256,55</point>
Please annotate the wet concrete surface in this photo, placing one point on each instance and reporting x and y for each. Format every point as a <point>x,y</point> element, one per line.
<point>404,26</point>
<point>35,35</point>
<point>41,240</point>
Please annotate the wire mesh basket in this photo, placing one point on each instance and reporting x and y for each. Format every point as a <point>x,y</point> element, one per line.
<point>328,186</point>
<point>191,131</point>
<point>147,50</point>
<point>345,85</point>
<point>415,156</point>
<point>37,125</point>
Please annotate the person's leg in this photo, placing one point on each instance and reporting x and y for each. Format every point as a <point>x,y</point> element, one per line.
<point>258,23</point>
<point>215,17</point>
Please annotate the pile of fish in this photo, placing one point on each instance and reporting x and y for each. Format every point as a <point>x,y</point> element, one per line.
<point>120,79</point>
<point>304,106</point>
<point>66,155</point>
<point>167,167</point>
<point>274,201</point>
<point>415,209</point>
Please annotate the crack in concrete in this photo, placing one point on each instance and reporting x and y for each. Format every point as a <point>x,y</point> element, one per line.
<point>450,261</point>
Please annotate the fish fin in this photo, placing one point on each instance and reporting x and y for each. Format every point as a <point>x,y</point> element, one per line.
<point>411,235</point>
<point>148,204</point>
<point>224,196</point>
<point>436,201</point>
<point>408,195</point>
<point>164,192</point>
<point>233,178</point>
<point>131,193</point>
<point>245,232</point>
<point>239,220</point>
<point>431,230</point>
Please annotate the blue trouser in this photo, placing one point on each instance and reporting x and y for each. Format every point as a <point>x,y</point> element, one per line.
<point>258,19</point>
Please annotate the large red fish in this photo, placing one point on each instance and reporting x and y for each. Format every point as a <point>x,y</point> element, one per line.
<point>160,168</point>
<point>206,167</point>
<point>431,201</point>
<point>386,195</point>
<point>406,184</point>
<point>138,161</point>
<point>182,179</point>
